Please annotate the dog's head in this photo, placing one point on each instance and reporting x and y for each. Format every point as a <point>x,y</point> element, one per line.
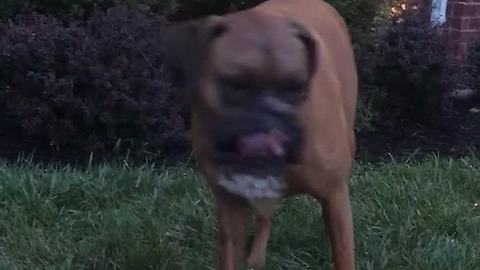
<point>249,73</point>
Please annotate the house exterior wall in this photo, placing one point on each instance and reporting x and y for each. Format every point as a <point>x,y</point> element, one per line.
<point>463,22</point>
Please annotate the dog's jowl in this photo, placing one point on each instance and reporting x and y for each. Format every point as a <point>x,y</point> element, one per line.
<point>273,94</point>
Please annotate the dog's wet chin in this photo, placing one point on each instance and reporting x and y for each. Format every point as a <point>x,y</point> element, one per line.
<point>253,187</point>
<point>252,167</point>
<point>262,192</point>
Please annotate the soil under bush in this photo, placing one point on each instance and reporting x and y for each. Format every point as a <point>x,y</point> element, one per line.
<point>458,134</point>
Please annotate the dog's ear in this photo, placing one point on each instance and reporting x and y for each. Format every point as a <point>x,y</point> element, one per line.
<point>185,46</point>
<point>310,44</point>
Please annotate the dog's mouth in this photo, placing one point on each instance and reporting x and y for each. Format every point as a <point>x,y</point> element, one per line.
<point>252,142</point>
<point>252,165</point>
<point>258,153</point>
<point>264,144</point>
<point>252,151</point>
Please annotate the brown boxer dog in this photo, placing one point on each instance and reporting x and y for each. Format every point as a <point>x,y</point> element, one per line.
<point>274,92</point>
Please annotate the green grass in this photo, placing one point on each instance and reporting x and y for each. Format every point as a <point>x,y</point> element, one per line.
<point>419,215</point>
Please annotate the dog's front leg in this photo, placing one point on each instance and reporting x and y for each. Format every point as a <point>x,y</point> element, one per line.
<point>258,253</point>
<point>338,218</point>
<point>233,216</point>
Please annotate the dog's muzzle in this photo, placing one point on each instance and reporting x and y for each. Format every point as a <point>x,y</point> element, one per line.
<point>253,147</point>
<point>264,129</point>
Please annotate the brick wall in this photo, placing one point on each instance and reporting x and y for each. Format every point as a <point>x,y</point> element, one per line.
<point>463,21</point>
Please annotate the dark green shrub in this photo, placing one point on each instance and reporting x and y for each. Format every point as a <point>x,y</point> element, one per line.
<point>411,73</point>
<point>366,45</point>
<point>100,84</point>
<point>358,13</point>
<point>8,8</point>
<point>58,8</point>
<point>361,13</point>
<point>95,86</point>
<point>178,9</point>
<point>473,65</point>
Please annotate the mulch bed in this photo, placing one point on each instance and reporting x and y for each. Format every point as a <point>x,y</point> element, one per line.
<point>458,134</point>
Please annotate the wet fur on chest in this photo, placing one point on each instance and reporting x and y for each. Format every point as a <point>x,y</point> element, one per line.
<point>262,193</point>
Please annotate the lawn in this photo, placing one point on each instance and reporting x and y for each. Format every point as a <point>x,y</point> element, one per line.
<point>415,215</point>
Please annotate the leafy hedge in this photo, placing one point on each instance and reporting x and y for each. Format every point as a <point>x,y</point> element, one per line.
<point>95,86</point>
<point>358,13</point>
<point>473,63</point>
<point>99,84</point>
<point>404,70</point>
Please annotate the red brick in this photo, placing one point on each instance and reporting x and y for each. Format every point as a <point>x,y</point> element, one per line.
<point>459,9</point>
<point>459,23</point>
<point>473,23</point>
<point>450,8</point>
<point>462,50</point>
<point>474,10</point>
<point>464,36</point>
<point>458,50</point>
<point>463,24</point>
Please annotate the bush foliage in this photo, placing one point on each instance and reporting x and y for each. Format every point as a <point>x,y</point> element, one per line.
<point>98,83</point>
<point>96,86</point>
<point>358,13</point>
<point>473,63</point>
<point>405,71</point>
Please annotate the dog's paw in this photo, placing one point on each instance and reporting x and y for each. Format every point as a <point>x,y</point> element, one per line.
<point>255,262</point>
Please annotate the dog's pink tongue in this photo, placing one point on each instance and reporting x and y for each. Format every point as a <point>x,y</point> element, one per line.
<point>262,144</point>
